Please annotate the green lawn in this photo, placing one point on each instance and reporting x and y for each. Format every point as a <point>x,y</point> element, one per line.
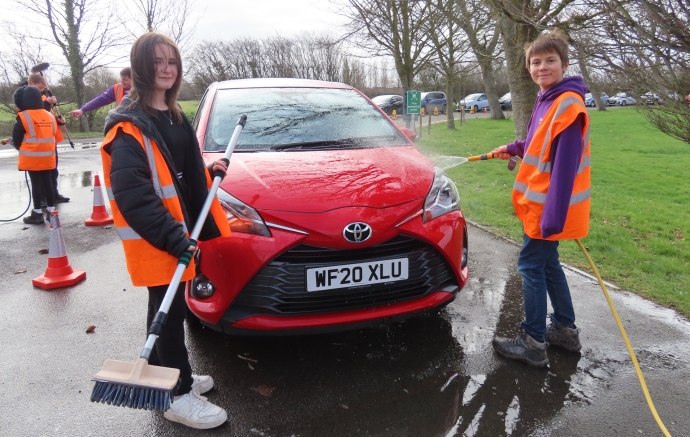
<point>640,214</point>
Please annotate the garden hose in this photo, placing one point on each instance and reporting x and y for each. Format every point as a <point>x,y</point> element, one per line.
<point>627,342</point>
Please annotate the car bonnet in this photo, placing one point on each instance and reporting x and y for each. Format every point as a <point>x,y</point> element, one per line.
<point>318,181</point>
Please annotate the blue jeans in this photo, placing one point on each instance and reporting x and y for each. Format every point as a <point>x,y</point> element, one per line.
<point>542,274</point>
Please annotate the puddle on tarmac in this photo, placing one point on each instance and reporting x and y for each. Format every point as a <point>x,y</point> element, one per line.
<point>65,181</point>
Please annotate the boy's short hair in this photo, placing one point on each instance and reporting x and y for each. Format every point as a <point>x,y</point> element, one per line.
<point>555,41</point>
<point>37,78</point>
<point>126,72</point>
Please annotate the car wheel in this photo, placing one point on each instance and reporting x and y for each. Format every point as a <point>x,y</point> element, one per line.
<point>623,103</point>
<point>476,109</point>
<point>443,109</point>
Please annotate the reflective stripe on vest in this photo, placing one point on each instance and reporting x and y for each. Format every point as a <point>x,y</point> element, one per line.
<point>147,265</point>
<point>533,179</point>
<point>37,151</point>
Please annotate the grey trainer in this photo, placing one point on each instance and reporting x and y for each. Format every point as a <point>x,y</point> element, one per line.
<point>522,348</point>
<point>567,338</point>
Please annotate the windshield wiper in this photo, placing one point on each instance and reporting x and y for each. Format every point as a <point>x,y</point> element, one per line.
<point>329,144</point>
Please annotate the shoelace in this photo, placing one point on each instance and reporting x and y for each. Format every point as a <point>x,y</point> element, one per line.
<point>197,399</point>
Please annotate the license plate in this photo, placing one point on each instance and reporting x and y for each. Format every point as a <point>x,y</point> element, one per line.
<point>353,275</point>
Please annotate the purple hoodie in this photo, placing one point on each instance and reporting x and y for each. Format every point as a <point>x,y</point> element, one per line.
<point>106,98</point>
<point>566,150</point>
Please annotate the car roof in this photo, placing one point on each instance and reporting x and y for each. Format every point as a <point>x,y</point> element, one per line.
<point>280,83</point>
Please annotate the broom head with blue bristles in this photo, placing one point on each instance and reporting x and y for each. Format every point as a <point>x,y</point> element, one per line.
<point>135,385</point>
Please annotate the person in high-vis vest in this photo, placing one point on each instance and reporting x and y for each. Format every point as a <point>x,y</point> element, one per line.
<point>157,183</point>
<point>35,135</point>
<point>114,94</point>
<point>49,102</point>
<point>551,197</point>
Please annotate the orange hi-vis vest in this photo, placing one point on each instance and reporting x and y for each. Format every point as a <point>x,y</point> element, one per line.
<point>38,146</point>
<point>119,92</point>
<point>534,176</point>
<point>147,265</point>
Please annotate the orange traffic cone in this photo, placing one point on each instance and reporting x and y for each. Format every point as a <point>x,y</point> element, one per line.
<point>99,216</point>
<point>59,272</point>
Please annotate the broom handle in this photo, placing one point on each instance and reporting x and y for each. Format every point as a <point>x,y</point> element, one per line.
<point>159,320</point>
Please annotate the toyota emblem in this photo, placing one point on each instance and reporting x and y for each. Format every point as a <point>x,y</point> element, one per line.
<point>357,232</point>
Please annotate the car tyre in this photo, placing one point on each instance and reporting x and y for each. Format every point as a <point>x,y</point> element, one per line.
<point>623,103</point>
<point>443,109</point>
<point>476,109</point>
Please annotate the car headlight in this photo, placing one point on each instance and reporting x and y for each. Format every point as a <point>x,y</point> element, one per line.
<point>442,198</point>
<point>242,217</point>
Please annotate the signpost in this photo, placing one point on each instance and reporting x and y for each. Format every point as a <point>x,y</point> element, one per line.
<point>412,105</point>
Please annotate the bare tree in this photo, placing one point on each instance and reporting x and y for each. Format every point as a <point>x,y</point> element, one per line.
<point>83,30</point>
<point>477,21</point>
<point>649,49</point>
<point>16,60</point>
<point>449,43</point>
<point>392,28</point>
<point>305,56</point>
<point>172,17</point>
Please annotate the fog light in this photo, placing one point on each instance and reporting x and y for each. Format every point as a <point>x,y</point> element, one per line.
<point>202,288</point>
<point>463,262</point>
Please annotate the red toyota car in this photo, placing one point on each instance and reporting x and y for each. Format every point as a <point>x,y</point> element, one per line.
<point>338,221</point>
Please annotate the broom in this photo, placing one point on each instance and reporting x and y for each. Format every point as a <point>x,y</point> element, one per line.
<point>140,385</point>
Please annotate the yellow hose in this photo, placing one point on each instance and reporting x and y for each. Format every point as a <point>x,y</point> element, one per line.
<point>627,342</point>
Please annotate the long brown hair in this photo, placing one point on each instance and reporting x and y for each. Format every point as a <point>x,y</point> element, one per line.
<point>141,58</point>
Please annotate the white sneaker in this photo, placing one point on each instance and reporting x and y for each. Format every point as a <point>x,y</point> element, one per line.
<point>195,411</point>
<point>202,383</point>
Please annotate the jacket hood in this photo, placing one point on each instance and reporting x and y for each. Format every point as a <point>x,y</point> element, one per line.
<point>28,97</point>
<point>132,112</point>
<point>572,83</point>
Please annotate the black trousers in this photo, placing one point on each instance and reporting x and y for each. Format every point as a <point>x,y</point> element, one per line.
<point>170,349</point>
<point>42,187</point>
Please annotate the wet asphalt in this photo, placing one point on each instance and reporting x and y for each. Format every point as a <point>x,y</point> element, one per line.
<point>430,376</point>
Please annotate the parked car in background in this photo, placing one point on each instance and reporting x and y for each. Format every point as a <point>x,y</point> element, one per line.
<point>389,103</point>
<point>338,221</point>
<point>589,99</point>
<point>621,99</point>
<point>478,101</point>
<point>434,99</point>
<point>650,98</point>
<point>506,102</point>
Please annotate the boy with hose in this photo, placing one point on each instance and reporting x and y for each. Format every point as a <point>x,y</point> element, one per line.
<point>551,197</point>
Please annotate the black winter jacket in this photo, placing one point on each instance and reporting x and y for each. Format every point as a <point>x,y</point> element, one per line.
<point>130,178</point>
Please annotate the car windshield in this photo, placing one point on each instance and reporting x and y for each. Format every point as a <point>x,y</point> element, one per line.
<point>473,96</point>
<point>298,119</point>
<point>588,96</point>
<point>506,96</point>
<point>423,95</point>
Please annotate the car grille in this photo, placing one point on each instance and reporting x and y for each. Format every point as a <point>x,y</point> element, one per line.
<point>280,287</point>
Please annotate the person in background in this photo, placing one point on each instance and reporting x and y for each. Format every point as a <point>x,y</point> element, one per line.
<point>551,197</point>
<point>35,135</point>
<point>114,94</point>
<point>39,81</point>
<point>157,184</point>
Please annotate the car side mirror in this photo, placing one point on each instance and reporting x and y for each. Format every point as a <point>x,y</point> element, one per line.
<point>409,133</point>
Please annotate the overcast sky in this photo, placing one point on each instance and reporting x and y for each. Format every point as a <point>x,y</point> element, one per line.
<point>259,18</point>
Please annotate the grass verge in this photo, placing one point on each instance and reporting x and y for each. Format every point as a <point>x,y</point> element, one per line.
<point>640,215</point>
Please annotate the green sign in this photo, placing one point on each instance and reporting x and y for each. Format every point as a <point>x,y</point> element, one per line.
<point>414,102</point>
